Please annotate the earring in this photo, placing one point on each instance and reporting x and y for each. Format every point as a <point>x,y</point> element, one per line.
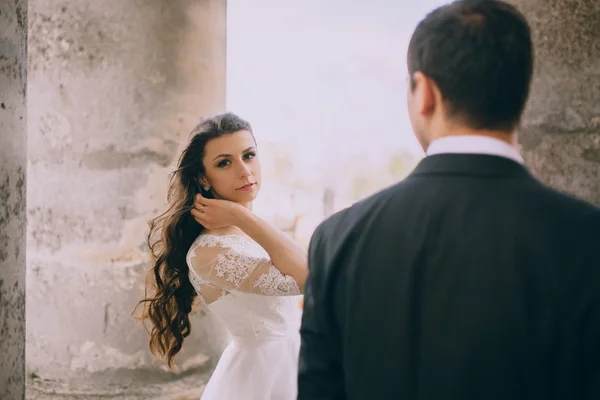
<point>206,188</point>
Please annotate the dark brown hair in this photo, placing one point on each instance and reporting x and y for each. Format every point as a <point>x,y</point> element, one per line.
<point>171,235</point>
<point>480,55</point>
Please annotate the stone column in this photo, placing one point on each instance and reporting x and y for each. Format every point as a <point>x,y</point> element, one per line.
<point>561,130</point>
<point>13,167</point>
<point>116,87</point>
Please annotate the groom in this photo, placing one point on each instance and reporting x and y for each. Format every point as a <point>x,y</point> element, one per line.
<point>469,279</point>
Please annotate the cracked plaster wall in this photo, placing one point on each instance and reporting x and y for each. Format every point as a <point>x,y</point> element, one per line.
<point>13,166</point>
<point>115,88</point>
<point>560,135</point>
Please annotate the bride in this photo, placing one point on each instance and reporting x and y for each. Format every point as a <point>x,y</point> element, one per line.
<point>210,249</point>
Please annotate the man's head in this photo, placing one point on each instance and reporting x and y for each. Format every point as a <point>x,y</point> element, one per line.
<point>470,65</point>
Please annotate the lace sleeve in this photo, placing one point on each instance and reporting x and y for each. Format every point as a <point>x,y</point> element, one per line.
<point>220,270</point>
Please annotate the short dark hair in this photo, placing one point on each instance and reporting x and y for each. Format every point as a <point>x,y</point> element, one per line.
<point>480,55</point>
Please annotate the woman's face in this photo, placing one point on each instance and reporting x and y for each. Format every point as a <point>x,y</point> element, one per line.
<point>232,167</point>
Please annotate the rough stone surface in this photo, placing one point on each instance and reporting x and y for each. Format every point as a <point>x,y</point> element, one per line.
<point>561,128</point>
<point>115,88</point>
<point>134,385</point>
<point>13,166</point>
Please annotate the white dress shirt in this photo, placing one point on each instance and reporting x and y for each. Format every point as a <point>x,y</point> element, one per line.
<point>473,144</point>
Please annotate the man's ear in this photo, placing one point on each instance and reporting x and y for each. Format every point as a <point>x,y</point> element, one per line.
<point>424,93</point>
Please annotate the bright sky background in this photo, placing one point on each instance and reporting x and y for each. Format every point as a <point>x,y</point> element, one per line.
<point>324,79</point>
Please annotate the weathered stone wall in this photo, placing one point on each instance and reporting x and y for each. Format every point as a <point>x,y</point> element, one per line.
<point>561,130</point>
<point>115,88</point>
<point>13,166</point>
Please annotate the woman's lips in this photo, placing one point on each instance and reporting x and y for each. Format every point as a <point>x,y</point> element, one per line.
<point>246,187</point>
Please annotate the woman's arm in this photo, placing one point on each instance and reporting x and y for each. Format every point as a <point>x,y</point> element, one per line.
<point>287,255</point>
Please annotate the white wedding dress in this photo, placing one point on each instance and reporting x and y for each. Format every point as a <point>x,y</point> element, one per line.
<point>237,282</point>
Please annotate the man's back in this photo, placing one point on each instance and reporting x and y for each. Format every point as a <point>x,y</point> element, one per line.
<point>468,280</point>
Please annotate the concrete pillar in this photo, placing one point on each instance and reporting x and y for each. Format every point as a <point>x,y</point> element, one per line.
<point>561,129</point>
<point>115,88</point>
<point>13,167</point>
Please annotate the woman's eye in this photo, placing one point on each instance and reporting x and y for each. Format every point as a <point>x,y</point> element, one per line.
<point>249,155</point>
<point>223,163</point>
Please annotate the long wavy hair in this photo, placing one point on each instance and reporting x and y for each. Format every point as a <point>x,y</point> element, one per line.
<point>171,235</point>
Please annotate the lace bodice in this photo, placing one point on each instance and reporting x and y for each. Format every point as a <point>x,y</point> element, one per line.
<point>235,279</point>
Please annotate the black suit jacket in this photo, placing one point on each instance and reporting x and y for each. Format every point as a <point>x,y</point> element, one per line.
<point>468,280</point>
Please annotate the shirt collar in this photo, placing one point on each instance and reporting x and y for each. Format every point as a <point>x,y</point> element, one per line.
<point>474,144</point>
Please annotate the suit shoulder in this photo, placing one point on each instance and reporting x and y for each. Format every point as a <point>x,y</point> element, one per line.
<point>369,206</point>
<point>344,221</point>
<point>332,223</point>
<point>567,202</point>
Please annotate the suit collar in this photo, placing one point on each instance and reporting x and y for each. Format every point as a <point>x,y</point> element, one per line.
<point>470,164</point>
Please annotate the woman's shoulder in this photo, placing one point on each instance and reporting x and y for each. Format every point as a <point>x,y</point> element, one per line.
<point>230,240</point>
<point>227,240</point>
<point>227,251</point>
